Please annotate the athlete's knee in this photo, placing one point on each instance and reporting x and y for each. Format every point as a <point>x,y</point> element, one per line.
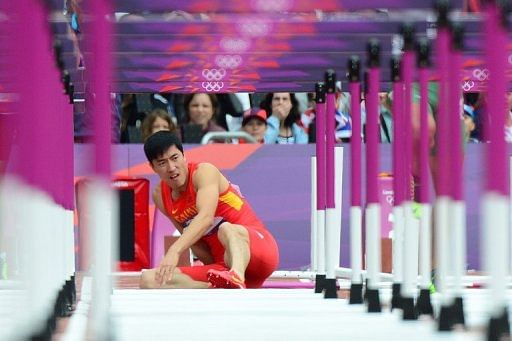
<point>147,279</point>
<point>228,231</point>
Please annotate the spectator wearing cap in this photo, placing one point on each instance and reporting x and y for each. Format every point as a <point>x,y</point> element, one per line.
<point>283,124</point>
<point>255,124</point>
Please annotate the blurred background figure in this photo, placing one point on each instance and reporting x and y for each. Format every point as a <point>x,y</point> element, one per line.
<point>343,119</point>
<point>255,124</point>
<point>155,121</point>
<point>200,115</point>
<point>283,124</point>
<point>469,122</point>
<point>132,115</point>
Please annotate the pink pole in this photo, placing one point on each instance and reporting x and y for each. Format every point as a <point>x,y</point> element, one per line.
<point>330,83</point>
<point>372,125</point>
<point>443,127</point>
<point>455,113</point>
<point>99,33</point>
<point>355,141</point>
<point>399,188</point>
<point>320,146</point>
<point>407,77</point>
<point>424,193</point>
<point>496,36</point>
<point>39,138</point>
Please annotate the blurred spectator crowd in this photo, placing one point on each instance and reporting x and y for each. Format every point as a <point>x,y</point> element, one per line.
<point>272,118</point>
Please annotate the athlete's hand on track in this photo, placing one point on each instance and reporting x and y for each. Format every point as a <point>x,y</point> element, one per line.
<point>166,268</point>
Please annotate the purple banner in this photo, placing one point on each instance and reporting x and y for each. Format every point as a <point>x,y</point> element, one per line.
<point>265,6</point>
<point>255,27</point>
<point>291,66</point>
<point>268,60</point>
<point>232,43</point>
<point>238,44</point>
<point>213,86</point>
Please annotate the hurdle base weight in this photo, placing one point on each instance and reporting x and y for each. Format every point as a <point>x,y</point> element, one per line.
<point>331,291</point>
<point>68,293</point>
<point>409,310</point>
<point>61,305</point>
<point>458,311</point>
<point>373,300</point>
<point>396,298</point>
<point>499,327</point>
<point>356,293</point>
<point>445,322</point>
<point>365,297</point>
<point>424,303</point>
<point>73,289</point>
<point>319,283</point>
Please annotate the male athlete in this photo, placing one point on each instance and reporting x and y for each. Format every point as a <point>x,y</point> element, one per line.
<point>214,220</point>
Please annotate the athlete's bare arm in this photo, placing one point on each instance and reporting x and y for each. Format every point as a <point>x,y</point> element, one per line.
<point>200,249</point>
<point>206,181</point>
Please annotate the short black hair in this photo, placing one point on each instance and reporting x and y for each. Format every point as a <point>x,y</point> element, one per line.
<point>156,145</point>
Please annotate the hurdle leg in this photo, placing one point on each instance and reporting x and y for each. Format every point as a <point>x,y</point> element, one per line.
<point>423,304</point>
<point>373,257</point>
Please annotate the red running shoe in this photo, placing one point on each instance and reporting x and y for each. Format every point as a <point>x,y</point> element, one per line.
<point>224,279</point>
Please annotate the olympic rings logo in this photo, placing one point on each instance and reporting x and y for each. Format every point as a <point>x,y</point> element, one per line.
<point>468,85</point>
<point>255,29</point>
<point>234,45</point>
<point>390,199</point>
<point>214,74</point>
<point>481,74</point>
<point>228,61</point>
<point>272,5</point>
<point>212,86</point>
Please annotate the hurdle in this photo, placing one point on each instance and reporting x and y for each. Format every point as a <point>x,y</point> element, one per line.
<point>119,305</point>
<point>372,212</point>
<point>356,253</point>
<point>320,172</point>
<point>458,218</point>
<point>101,202</point>
<point>410,235</point>
<point>496,202</point>
<point>36,197</point>
<point>423,303</point>
<point>399,191</point>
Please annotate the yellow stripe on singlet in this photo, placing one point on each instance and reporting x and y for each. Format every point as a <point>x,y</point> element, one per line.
<point>232,200</point>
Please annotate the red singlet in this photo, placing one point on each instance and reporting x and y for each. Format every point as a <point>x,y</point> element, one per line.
<point>232,208</point>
